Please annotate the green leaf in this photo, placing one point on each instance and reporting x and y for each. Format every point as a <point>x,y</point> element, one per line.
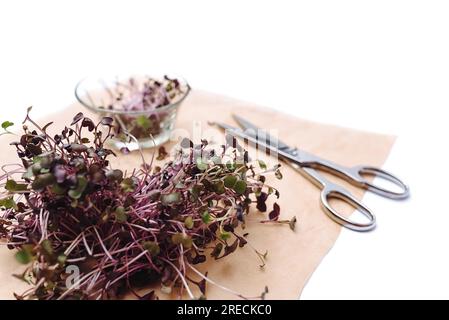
<point>230,166</point>
<point>181,238</point>
<point>224,235</point>
<point>154,195</point>
<point>195,192</point>
<point>8,203</point>
<point>152,247</point>
<point>187,242</point>
<point>128,185</point>
<point>42,181</point>
<point>46,246</point>
<point>115,175</point>
<point>240,187</point>
<point>262,165</point>
<point>171,198</point>
<point>78,192</point>
<point>24,256</point>
<point>202,166</point>
<point>219,187</point>
<point>206,217</point>
<point>188,222</point>
<point>58,189</point>
<point>7,124</point>
<point>230,181</point>
<point>143,122</point>
<point>13,186</point>
<point>62,258</point>
<point>177,238</point>
<point>121,215</point>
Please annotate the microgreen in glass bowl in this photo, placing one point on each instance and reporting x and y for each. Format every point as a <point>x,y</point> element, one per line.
<point>144,107</point>
<point>64,207</point>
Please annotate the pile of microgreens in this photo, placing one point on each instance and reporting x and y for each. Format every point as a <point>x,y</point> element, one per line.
<point>145,95</point>
<point>64,205</point>
<point>148,94</point>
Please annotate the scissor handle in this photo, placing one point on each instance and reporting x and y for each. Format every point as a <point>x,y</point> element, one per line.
<point>332,191</point>
<point>403,193</point>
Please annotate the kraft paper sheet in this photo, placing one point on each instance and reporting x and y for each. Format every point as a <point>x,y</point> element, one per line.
<point>292,256</point>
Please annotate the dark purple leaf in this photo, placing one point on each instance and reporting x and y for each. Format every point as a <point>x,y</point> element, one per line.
<point>242,242</point>
<point>162,154</point>
<point>239,213</point>
<point>230,249</point>
<point>203,284</point>
<point>199,259</point>
<point>274,215</point>
<point>125,150</point>
<point>88,123</point>
<point>77,118</point>
<point>107,121</point>
<point>35,150</point>
<point>217,250</point>
<point>261,202</point>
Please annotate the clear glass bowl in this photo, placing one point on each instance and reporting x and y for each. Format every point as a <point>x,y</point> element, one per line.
<point>137,129</point>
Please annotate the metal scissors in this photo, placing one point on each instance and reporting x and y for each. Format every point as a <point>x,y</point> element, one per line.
<point>310,165</point>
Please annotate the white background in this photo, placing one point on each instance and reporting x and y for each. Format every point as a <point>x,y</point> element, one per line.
<point>375,65</point>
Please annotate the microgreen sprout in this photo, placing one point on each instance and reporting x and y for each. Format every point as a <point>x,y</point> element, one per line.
<point>5,127</point>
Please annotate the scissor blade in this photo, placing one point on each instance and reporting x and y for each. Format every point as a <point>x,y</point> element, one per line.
<point>260,134</point>
<point>254,141</point>
<point>244,124</point>
<point>223,126</point>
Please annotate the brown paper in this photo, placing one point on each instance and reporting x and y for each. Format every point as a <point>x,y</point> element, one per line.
<point>292,256</point>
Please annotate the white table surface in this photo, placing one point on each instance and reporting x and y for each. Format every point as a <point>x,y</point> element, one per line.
<point>381,66</point>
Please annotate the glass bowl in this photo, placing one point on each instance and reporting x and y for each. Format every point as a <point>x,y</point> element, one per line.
<point>136,129</point>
